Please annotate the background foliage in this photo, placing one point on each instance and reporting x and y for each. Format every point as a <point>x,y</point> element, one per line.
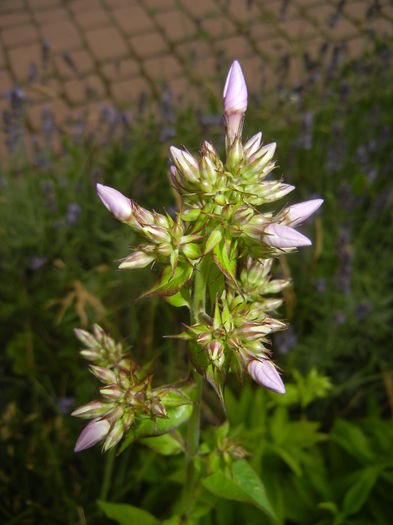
<point>323,451</point>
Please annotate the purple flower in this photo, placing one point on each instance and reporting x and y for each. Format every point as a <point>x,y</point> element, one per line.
<point>115,202</point>
<point>280,236</point>
<point>94,432</point>
<point>235,100</point>
<point>265,374</point>
<point>298,213</point>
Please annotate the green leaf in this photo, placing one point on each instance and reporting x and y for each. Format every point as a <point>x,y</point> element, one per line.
<point>127,514</point>
<point>352,439</point>
<point>226,261</point>
<point>244,485</point>
<point>213,239</point>
<point>357,495</point>
<point>179,299</point>
<point>170,284</point>
<point>167,444</point>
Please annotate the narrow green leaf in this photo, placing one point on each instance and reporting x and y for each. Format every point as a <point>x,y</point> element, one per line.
<point>127,514</point>
<point>244,485</point>
<point>357,495</point>
<point>213,239</point>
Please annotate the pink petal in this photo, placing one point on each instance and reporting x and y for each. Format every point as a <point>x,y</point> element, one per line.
<point>265,374</point>
<point>281,236</point>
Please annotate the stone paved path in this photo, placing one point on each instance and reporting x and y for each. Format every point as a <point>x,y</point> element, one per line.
<point>82,53</point>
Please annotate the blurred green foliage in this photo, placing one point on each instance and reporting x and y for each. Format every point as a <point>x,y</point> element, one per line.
<point>321,454</point>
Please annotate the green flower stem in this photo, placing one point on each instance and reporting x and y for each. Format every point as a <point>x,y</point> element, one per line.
<point>193,429</point>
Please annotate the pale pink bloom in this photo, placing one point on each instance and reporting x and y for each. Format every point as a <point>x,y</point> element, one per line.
<point>281,236</point>
<point>94,432</point>
<point>265,374</point>
<point>235,90</point>
<point>235,100</point>
<point>298,213</point>
<point>115,202</point>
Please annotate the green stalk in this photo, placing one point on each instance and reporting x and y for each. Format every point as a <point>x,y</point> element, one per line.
<point>193,429</point>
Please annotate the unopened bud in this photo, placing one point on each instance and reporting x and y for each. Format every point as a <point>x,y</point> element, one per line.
<point>235,101</point>
<point>252,145</point>
<point>94,432</point>
<point>103,374</point>
<point>92,409</point>
<point>112,392</point>
<point>276,286</point>
<point>216,354</point>
<point>186,164</point>
<point>114,436</point>
<point>137,259</point>
<point>115,202</point>
<point>280,236</point>
<point>265,374</point>
<point>298,213</point>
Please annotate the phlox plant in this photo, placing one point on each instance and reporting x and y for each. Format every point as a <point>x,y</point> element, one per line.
<point>216,253</point>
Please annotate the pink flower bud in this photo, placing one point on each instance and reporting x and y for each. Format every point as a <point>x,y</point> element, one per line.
<point>235,101</point>
<point>92,434</point>
<point>265,374</point>
<point>298,213</point>
<point>235,90</point>
<point>138,259</point>
<point>115,202</point>
<point>280,236</point>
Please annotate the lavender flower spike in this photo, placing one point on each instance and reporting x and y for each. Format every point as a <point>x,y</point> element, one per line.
<point>115,202</point>
<point>265,374</point>
<point>280,236</point>
<point>235,100</point>
<point>92,434</point>
<point>298,213</point>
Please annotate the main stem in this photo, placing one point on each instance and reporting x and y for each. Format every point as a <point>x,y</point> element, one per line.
<point>193,429</point>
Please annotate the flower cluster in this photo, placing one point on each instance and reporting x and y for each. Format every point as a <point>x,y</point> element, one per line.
<point>224,230</point>
<point>126,394</point>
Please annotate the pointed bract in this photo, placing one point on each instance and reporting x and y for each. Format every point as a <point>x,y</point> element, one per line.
<point>281,236</point>
<point>265,374</point>
<point>117,203</point>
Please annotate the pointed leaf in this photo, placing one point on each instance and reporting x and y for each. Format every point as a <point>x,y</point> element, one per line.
<point>127,514</point>
<point>170,283</point>
<point>167,444</point>
<point>244,485</point>
<point>358,494</point>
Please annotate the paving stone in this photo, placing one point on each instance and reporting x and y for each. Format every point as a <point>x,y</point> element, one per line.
<point>42,4</point>
<point>300,29</point>
<point>49,16</point>
<point>176,25</point>
<point>193,50</point>
<point>201,8</point>
<point>114,4</point>
<point>129,90</point>
<point>79,91</point>
<point>148,44</point>
<point>162,68</point>
<point>12,19</point>
<point>20,35</point>
<point>82,60</point>
<point>106,43</point>
<point>78,6</point>
<point>159,5</point>
<point>22,57</point>
<point>218,27</point>
<point>252,67</point>
<point>262,31</point>
<point>92,19</point>
<point>243,12</point>
<point>12,5</point>
<point>62,36</point>
<point>113,71</point>
<point>238,43</point>
<point>133,19</point>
